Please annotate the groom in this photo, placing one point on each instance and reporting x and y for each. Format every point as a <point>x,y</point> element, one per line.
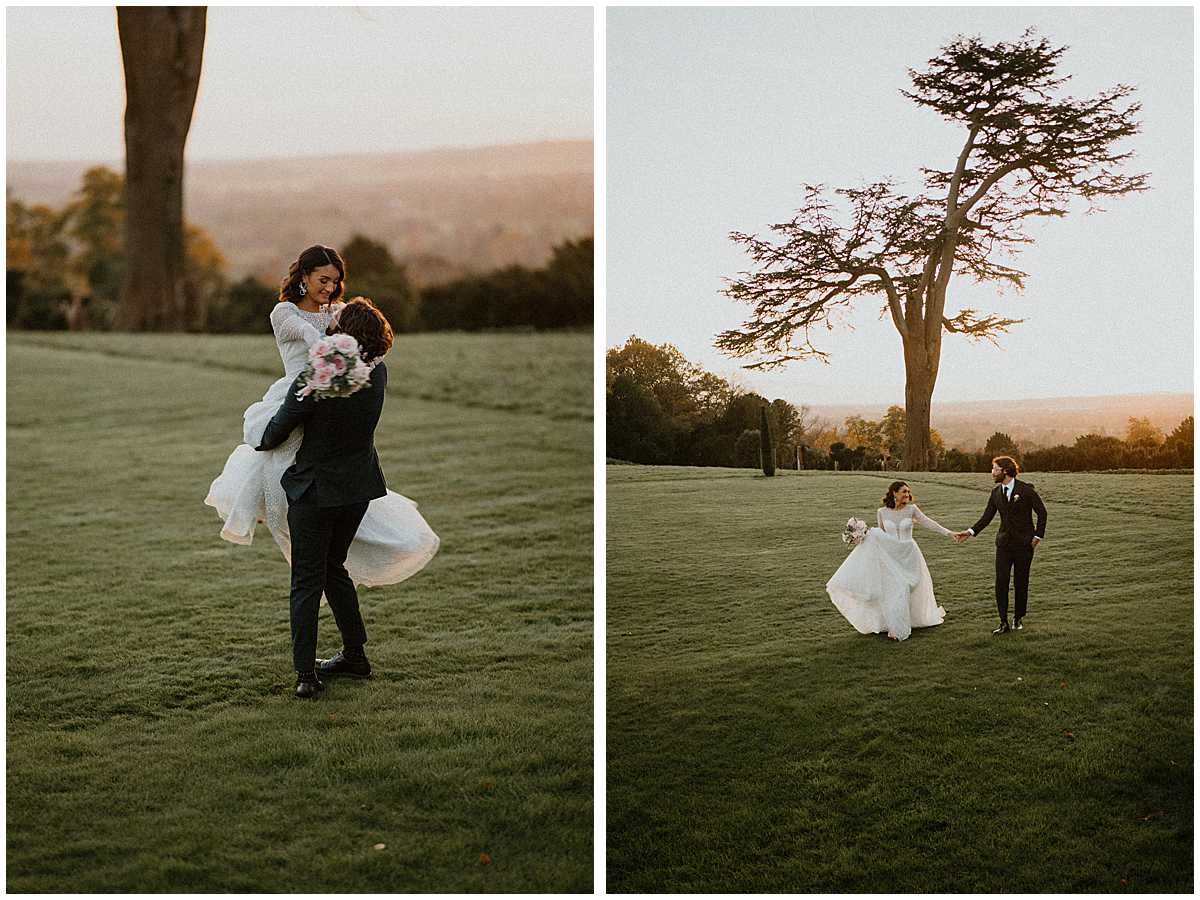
<point>1017,540</point>
<point>335,477</point>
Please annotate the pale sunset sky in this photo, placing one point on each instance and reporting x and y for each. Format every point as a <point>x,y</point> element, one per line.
<point>717,117</point>
<point>312,81</point>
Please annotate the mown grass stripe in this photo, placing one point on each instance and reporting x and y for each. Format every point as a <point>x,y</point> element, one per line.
<point>184,354</point>
<point>1067,487</point>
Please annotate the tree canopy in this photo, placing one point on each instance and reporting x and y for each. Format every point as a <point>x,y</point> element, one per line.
<point>661,408</point>
<point>1028,151</point>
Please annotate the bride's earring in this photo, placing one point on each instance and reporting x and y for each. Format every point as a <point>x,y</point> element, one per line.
<point>303,290</point>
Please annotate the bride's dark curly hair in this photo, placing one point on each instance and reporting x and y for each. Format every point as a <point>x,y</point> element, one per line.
<point>362,320</point>
<point>312,258</point>
<point>889,499</point>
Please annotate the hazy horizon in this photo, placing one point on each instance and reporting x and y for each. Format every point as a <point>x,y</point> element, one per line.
<point>717,117</point>
<point>798,398</point>
<point>1040,399</point>
<point>447,148</point>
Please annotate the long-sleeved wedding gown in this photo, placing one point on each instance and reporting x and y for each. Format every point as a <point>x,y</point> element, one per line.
<point>884,584</point>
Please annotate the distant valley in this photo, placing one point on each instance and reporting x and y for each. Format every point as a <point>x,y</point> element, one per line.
<point>1035,423</point>
<point>443,213</point>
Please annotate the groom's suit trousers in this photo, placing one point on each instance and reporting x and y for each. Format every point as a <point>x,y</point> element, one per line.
<point>321,537</point>
<point>1017,561</point>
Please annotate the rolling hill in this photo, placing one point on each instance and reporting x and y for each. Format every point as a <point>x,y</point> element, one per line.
<point>442,212</point>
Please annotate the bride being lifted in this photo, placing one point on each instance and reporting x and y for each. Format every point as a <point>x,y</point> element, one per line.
<point>884,584</point>
<point>393,541</point>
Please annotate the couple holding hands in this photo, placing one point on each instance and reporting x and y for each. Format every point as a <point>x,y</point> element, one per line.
<point>884,584</point>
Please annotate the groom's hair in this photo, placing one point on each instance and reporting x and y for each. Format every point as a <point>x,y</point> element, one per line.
<point>1008,464</point>
<point>362,320</point>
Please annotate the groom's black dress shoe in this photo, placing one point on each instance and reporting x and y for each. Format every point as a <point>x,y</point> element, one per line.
<point>1003,629</point>
<point>308,688</point>
<point>1017,626</point>
<point>354,665</point>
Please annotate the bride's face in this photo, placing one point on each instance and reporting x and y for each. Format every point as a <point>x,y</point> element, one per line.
<point>903,496</point>
<point>322,283</point>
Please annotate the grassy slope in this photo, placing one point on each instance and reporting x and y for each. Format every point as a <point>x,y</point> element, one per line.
<point>756,742</point>
<point>152,740</point>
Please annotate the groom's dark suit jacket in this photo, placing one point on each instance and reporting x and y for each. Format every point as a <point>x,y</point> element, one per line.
<point>337,457</point>
<point>1016,517</point>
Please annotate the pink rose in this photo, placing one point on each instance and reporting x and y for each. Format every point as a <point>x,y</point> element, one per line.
<point>321,377</point>
<point>339,364</point>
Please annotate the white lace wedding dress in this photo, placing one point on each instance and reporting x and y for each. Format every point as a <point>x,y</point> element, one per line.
<point>393,542</point>
<point>884,584</point>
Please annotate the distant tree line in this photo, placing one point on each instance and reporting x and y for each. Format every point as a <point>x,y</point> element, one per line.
<point>65,267</point>
<point>663,410</point>
<point>1145,446</point>
<point>556,296</point>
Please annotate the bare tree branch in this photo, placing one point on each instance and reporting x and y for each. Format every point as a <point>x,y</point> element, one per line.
<point>968,322</point>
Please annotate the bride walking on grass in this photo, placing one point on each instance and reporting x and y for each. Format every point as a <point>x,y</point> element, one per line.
<point>884,584</point>
<point>393,541</point>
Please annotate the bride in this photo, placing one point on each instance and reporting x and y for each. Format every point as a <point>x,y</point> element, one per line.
<point>394,541</point>
<point>884,584</point>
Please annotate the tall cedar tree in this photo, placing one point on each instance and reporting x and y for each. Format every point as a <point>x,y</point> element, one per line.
<point>1028,151</point>
<point>161,48</point>
<point>768,448</point>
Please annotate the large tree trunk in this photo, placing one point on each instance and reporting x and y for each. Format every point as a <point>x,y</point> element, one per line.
<point>920,373</point>
<point>922,339</point>
<point>161,48</point>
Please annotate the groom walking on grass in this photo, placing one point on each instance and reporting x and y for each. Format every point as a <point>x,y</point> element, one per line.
<point>335,477</point>
<point>1017,540</point>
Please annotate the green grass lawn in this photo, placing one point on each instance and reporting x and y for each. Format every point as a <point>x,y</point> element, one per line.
<point>153,741</point>
<point>756,742</point>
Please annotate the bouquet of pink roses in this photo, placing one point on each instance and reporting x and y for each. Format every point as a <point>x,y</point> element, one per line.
<point>854,532</point>
<point>335,369</point>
